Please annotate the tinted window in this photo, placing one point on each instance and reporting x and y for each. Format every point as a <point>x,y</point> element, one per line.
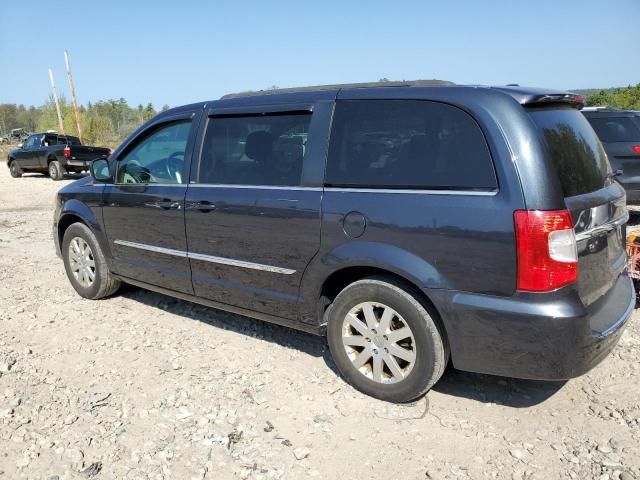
<point>51,140</point>
<point>574,148</point>
<point>407,144</point>
<point>68,140</point>
<point>255,150</point>
<point>616,129</point>
<point>158,157</point>
<point>31,142</point>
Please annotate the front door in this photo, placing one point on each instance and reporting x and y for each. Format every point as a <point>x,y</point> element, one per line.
<point>252,220</point>
<point>27,157</point>
<point>144,209</point>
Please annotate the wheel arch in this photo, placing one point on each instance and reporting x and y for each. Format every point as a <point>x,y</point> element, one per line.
<point>66,220</point>
<point>74,211</point>
<point>353,260</point>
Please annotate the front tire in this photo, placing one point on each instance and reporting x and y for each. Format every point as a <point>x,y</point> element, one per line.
<point>56,172</point>
<point>14,169</point>
<point>85,264</point>
<point>384,341</point>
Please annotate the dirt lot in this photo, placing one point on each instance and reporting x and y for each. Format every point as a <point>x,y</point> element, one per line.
<point>141,386</point>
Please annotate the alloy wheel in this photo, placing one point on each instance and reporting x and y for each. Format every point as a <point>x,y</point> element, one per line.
<point>379,342</point>
<point>82,262</point>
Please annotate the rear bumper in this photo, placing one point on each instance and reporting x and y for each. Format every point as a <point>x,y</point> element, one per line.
<point>543,337</point>
<point>77,164</point>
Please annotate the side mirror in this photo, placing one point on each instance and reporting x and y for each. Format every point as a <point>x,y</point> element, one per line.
<point>100,170</point>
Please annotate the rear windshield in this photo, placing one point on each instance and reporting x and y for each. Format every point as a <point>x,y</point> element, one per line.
<point>616,129</point>
<point>574,148</point>
<point>69,140</point>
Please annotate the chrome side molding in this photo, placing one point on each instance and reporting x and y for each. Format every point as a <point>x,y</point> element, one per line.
<point>151,248</point>
<point>206,258</point>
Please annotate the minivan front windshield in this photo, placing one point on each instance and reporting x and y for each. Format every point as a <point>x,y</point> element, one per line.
<point>574,148</point>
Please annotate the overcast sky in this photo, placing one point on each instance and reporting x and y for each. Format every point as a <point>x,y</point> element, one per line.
<point>181,52</point>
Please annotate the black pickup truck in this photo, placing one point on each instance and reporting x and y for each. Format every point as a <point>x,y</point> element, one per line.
<point>52,154</point>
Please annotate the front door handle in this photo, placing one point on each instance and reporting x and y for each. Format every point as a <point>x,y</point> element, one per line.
<point>165,204</point>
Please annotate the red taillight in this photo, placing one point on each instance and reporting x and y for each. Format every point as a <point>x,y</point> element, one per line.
<point>546,248</point>
<point>636,148</point>
<point>67,152</point>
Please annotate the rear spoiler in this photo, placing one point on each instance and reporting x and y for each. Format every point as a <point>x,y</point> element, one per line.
<point>570,98</point>
<point>538,96</point>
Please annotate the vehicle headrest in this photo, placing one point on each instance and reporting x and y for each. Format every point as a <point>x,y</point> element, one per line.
<point>258,145</point>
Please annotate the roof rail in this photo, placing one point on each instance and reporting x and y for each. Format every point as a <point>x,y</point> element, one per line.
<point>403,83</point>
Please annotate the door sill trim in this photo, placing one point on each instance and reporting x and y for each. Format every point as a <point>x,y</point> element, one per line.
<point>285,322</point>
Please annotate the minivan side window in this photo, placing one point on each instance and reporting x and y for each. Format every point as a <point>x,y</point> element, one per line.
<point>255,149</point>
<point>407,144</point>
<point>158,157</point>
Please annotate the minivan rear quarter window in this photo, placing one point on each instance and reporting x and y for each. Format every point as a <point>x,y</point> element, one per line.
<point>409,144</point>
<point>575,151</point>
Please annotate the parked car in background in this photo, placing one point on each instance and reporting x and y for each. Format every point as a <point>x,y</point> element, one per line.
<point>52,154</point>
<point>413,224</point>
<point>619,132</point>
<point>17,135</point>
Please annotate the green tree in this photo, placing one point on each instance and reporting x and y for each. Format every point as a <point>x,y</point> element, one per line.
<point>48,119</point>
<point>627,98</point>
<point>148,112</point>
<point>103,122</point>
<point>98,130</point>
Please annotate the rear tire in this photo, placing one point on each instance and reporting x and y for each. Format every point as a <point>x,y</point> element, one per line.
<point>395,367</point>
<point>14,169</point>
<point>56,172</point>
<point>85,264</point>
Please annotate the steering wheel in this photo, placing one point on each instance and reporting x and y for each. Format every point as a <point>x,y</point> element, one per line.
<point>134,172</point>
<point>174,165</point>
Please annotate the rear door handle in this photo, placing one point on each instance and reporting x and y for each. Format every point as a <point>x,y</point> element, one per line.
<point>203,206</point>
<point>165,204</point>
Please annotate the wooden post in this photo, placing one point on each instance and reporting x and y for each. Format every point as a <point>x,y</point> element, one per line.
<point>55,98</point>
<point>73,95</point>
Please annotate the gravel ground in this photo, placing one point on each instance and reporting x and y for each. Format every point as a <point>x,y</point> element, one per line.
<point>142,386</point>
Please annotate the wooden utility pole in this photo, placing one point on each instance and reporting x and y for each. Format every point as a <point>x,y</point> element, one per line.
<point>73,95</point>
<point>55,99</point>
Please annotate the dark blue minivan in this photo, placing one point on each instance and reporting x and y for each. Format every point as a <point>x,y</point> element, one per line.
<point>413,224</point>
